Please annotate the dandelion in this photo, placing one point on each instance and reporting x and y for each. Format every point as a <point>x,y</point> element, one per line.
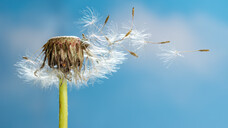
<point>81,61</point>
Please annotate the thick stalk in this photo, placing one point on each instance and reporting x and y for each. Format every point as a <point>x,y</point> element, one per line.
<point>63,105</point>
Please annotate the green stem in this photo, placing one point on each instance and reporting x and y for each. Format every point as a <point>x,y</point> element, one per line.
<point>63,105</point>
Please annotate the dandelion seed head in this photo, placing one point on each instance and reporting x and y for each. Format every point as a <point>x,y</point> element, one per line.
<point>71,58</point>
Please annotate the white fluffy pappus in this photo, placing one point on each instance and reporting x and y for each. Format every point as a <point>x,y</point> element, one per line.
<point>89,18</point>
<point>168,55</point>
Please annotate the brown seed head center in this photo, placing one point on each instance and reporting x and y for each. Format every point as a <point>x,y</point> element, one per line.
<point>64,53</point>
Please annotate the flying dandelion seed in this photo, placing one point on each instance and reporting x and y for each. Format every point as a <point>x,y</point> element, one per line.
<point>169,54</point>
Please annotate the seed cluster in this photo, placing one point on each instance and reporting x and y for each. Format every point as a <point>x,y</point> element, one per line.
<point>64,53</point>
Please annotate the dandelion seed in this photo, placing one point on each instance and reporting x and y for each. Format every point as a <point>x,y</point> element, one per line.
<point>170,54</point>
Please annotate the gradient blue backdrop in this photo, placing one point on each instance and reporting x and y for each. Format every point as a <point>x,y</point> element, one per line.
<point>142,94</point>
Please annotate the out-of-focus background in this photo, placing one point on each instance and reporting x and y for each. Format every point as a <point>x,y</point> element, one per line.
<point>191,93</point>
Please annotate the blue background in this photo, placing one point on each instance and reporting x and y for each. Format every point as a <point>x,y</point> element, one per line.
<point>192,93</point>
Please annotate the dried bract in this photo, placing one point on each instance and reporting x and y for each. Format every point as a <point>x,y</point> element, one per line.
<point>65,54</point>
